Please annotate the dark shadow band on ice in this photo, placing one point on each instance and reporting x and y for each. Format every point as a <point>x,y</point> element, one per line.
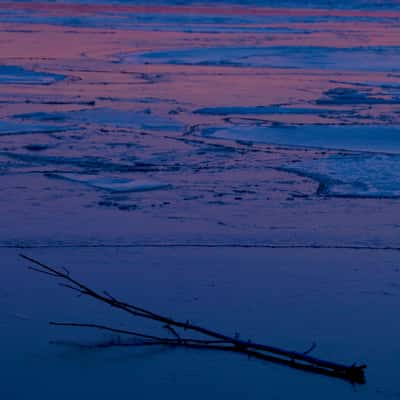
<point>113,184</point>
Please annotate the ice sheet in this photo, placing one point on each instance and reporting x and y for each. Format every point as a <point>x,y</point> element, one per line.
<point>363,175</point>
<point>371,138</point>
<point>258,110</point>
<point>287,57</point>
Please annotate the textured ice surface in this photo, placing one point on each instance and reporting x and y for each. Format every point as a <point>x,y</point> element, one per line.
<point>114,184</point>
<point>300,57</point>
<point>106,116</point>
<point>18,128</point>
<point>14,74</point>
<point>373,175</point>
<point>374,138</point>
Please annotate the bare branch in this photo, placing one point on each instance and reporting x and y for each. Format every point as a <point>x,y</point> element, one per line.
<point>354,373</point>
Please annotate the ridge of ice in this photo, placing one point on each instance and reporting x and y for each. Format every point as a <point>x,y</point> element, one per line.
<point>113,184</point>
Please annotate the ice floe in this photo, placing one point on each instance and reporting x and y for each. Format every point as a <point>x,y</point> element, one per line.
<point>12,74</point>
<point>259,110</point>
<point>292,57</point>
<point>363,175</point>
<point>370,138</point>
<point>113,184</point>
<point>88,163</point>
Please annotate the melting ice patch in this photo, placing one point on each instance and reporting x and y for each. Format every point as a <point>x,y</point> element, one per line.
<point>113,184</point>
<point>106,116</point>
<point>373,175</point>
<point>15,74</point>
<point>293,57</point>
<point>371,138</point>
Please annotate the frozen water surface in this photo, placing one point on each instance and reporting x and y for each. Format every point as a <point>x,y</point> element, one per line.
<point>317,291</point>
<point>310,163</point>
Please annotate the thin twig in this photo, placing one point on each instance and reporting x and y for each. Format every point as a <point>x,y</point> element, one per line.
<point>163,340</point>
<point>174,332</point>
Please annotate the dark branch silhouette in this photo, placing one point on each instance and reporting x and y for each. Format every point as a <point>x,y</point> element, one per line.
<point>220,342</point>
